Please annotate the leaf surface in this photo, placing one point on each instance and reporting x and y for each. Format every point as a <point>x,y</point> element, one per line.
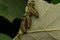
<point>12,9</point>
<point>4,37</point>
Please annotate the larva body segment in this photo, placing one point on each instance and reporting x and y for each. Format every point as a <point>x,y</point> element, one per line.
<point>33,11</point>
<point>28,22</point>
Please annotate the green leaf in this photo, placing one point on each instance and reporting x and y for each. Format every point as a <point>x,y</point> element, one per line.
<point>4,37</point>
<point>55,1</point>
<point>12,9</point>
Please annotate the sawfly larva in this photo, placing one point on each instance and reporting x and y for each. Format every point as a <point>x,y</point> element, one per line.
<point>23,25</point>
<point>31,8</point>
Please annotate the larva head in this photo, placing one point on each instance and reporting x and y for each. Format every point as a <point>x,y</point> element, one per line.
<point>32,3</point>
<point>24,18</point>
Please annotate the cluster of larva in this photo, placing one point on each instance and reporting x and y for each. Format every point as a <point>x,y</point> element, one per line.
<point>26,20</point>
